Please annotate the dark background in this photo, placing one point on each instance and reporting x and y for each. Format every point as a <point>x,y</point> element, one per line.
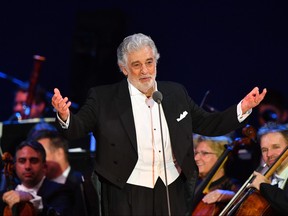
<point>226,47</point>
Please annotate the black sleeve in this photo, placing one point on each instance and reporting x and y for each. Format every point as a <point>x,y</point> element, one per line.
<point>278,198</point>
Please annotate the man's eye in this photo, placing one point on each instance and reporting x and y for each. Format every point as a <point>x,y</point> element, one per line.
<point>264,150</point>
<point>149,63</point>
<point>21,161</point>
<point>34,160</point>
<point>136,66</point>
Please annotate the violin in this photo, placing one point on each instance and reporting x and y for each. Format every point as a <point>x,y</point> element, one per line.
<point>202,208</point>
<point>21,208</point>
<point>248,201</point>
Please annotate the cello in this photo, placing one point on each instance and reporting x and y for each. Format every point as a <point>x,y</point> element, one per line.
<point>202,208</point>
<point>21,208</point>
<point>248,201</point>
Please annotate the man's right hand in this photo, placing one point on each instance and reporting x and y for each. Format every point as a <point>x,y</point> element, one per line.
<point>61,105</point>
<point>259,178</point>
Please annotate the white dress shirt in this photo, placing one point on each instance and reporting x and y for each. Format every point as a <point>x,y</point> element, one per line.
<point>37,200</point>
<point>62,178</point>
<point>280,179</point>
<point>149,145</point>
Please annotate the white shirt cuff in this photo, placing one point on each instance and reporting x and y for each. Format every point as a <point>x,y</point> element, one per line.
<point>63,124</point>
<point>241,117</point>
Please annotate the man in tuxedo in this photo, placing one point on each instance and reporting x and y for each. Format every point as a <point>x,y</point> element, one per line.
<point>130,133</point>
<point>273,140</point>
<point>46,197</point>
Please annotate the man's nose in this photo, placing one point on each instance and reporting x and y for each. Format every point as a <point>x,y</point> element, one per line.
<point>28,165</point>
<point>144,69</point>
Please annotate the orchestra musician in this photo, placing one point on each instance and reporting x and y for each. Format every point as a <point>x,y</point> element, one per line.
<point>273,140</point>
<point>221,188</point>
<point>47,197</point>
<point>38,108</point>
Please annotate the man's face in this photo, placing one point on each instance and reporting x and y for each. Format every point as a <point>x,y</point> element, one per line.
<point>141,69</point>
<point>29,166</point>
<point>272,145</point>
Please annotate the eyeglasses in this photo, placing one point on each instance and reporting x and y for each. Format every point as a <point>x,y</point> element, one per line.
<point>203,153</point>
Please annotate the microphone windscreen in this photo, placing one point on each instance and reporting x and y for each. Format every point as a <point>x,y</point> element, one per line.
<point>157,97</point>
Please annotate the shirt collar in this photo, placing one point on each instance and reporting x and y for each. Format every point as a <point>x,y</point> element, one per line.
<point>35,188</point>
<point>134,91</point>
<point>62,178</point>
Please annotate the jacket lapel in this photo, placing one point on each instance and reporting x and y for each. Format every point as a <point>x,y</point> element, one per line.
<point>169,108</point>
<point>123,105</point>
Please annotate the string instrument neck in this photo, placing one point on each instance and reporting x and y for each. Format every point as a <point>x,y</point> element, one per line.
<point>38,60</point>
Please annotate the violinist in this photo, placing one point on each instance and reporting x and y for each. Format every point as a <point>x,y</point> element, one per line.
<point>47,197</point>
<point>273,140</point>
<point>207,151</point>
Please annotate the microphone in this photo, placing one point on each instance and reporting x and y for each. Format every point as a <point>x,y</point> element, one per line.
<point>157,97</point>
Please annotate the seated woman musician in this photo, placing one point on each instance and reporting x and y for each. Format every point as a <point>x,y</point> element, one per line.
<point>220,189</point>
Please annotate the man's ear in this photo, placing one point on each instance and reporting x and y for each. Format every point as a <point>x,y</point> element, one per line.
<point>123,69</point>
<point>59,152</point>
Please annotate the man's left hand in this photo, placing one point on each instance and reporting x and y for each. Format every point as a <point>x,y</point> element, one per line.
<point>252,99</point>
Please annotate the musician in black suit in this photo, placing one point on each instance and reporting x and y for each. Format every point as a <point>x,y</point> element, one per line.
<point>273,140</point>
<point>59,169</point>
<point>125,121</point>
<point>47,197</point>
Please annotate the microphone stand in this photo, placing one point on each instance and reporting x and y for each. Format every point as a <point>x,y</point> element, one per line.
<point>204,98</point>
<point>158,101</point>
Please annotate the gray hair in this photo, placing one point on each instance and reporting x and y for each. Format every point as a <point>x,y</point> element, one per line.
<point>133,43</point>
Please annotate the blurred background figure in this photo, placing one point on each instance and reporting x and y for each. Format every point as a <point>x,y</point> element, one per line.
<point>273,108</point>
<point>219,188</point>
<point>38,108</point>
